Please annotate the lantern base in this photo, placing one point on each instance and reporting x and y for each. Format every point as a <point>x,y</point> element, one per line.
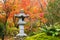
<point>21,35</point>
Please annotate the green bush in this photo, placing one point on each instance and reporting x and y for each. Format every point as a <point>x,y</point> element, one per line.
<point>42,36</point>
<point>52,30</point>
<point>53,12</point>
<point>1,29</point>
<point>11,31</point>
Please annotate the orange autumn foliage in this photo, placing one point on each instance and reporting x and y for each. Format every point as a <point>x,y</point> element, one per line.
<point>25,4</point>
<point>31,7</point>
<point>44,20</point>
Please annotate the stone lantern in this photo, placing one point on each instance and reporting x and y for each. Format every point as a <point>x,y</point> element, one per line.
<point>21,23</point>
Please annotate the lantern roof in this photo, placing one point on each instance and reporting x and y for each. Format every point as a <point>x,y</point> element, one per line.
<point>21,14</point>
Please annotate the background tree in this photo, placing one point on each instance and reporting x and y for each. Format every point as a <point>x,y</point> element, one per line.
<point>53,11</point>
<point>12,7</point>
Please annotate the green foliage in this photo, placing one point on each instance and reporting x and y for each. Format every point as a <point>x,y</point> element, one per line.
<point>57,25</point>
<point>42,36</point>
<point>34,33</point>
<point>31,33</point>
<point>51,30</point>
<point>53,10</point>
<point>54,7</point>
<point>1,29</point>
<point>33,29</point>
<point>53,17</point>
<point>11,31</point>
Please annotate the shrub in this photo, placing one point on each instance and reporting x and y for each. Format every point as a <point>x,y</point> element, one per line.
<point>1,29</point>
<point>12,31</point>
<point>42,36</point>
<point>53,30</point>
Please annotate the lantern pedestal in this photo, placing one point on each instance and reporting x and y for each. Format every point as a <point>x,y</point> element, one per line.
<point>21,32</point>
